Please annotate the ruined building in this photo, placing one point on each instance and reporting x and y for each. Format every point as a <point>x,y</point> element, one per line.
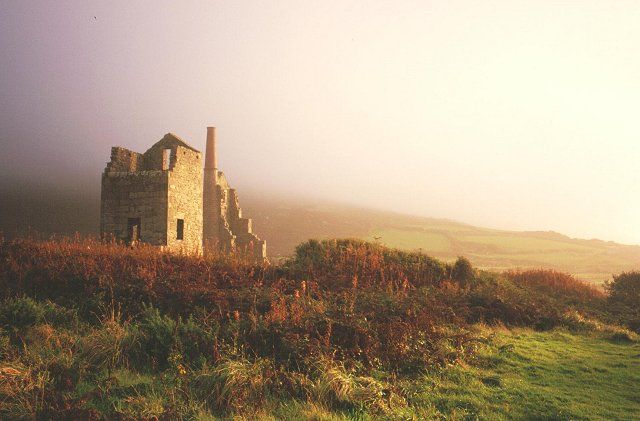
<point>160,197</point>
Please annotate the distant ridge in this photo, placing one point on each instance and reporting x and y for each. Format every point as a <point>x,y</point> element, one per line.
<point>285,223</point>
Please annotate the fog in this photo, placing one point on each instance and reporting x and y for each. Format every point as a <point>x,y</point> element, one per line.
<point>510,114</point>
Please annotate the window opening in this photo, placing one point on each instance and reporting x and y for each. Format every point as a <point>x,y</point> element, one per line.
<point>133,230</point>
<point>180,230</point>
<point>166,159</point>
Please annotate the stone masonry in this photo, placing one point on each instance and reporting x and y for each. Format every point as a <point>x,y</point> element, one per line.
<point>159,198</point>
<point>224,226</point>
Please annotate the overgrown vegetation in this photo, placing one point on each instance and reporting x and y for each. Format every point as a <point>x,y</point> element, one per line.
<point>342,329</point>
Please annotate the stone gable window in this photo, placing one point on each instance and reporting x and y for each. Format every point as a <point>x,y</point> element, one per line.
<point>166,159</point>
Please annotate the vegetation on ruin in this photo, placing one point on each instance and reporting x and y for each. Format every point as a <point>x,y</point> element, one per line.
<point>344,329</point>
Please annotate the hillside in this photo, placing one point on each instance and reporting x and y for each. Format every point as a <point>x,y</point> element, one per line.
<point>285,222</point>
<point>343,330</point>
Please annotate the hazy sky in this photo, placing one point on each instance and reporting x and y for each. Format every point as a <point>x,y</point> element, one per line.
<point>510,114</point>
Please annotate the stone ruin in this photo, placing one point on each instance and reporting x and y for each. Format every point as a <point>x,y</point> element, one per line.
<point>162,197</point>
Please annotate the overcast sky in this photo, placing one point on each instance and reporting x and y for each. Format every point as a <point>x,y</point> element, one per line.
<point>512,114</point>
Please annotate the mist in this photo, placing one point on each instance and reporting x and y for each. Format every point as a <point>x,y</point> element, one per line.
<point>508,114</point>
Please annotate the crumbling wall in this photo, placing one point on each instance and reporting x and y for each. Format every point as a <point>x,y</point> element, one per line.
<point>140,194</point>
<point>124,160</point>
<point>158,193</point>
<point>217,232</point>
<point>242,228</point>
<point>223,225</point>
<point>227,229</point>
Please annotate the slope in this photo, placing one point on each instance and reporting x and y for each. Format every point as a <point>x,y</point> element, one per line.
<point>285,222</point>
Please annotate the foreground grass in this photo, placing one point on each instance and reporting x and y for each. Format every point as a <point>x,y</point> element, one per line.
<point>520,374</point>
<point>517,374</point>
<point>524,374</point>
<point>345,330</point>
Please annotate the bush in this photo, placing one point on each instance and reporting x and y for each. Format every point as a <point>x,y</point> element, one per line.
<point>17,314</point>
<point>354,263</point>
<point>561,286</point>
<point>624,298</point>
<point>625,289</point>
<point>462,271</point>
<point>236,385</point>
<point>151,340</point>
<point>59,316</point>
<point>102,348</point>
<point>196,342</point>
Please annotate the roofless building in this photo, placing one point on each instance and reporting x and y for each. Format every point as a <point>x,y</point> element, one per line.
<point>162,197</point>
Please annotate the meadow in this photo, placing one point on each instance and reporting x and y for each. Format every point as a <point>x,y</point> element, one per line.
<point>594,261</point>
<point>344,329</point>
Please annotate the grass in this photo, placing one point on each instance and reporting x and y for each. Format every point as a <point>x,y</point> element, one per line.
<point>593,261</point>
<point>407,239</point>
<point>524,374</point>
<point>344,330</point>
<point>518,374</point>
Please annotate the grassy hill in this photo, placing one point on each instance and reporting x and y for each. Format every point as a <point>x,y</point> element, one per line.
<point>591,260</point>
<point>286,221</point>
<point>285,224</point>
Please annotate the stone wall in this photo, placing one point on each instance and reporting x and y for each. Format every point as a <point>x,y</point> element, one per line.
<point>217,232</point>
<point>124,160</point>
<point>140,194</point>
<point>185,201</point>
<point>144,186</point>
<point>242,228</point>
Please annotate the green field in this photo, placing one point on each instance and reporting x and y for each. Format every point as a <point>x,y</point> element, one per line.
<point>519,374</point>
<point>525,374</point>
<point>591,260</point>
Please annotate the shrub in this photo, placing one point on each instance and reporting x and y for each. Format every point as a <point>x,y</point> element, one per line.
<point>625,289</point>
<point>5,346</point>
<point>150,342</point>
<point>351,263</point>
<point>196,342</point>
<point>59,316</point>
<point>561,286</point>
<point>624,298</point>
<point>337,386</point>
<point>462,271</point>
<point>102,347</point>
<point>16,314</point>
<point>219,336</point>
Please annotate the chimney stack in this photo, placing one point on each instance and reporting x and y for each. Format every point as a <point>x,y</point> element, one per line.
<point>210,195</point>
<point>210,161</point>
